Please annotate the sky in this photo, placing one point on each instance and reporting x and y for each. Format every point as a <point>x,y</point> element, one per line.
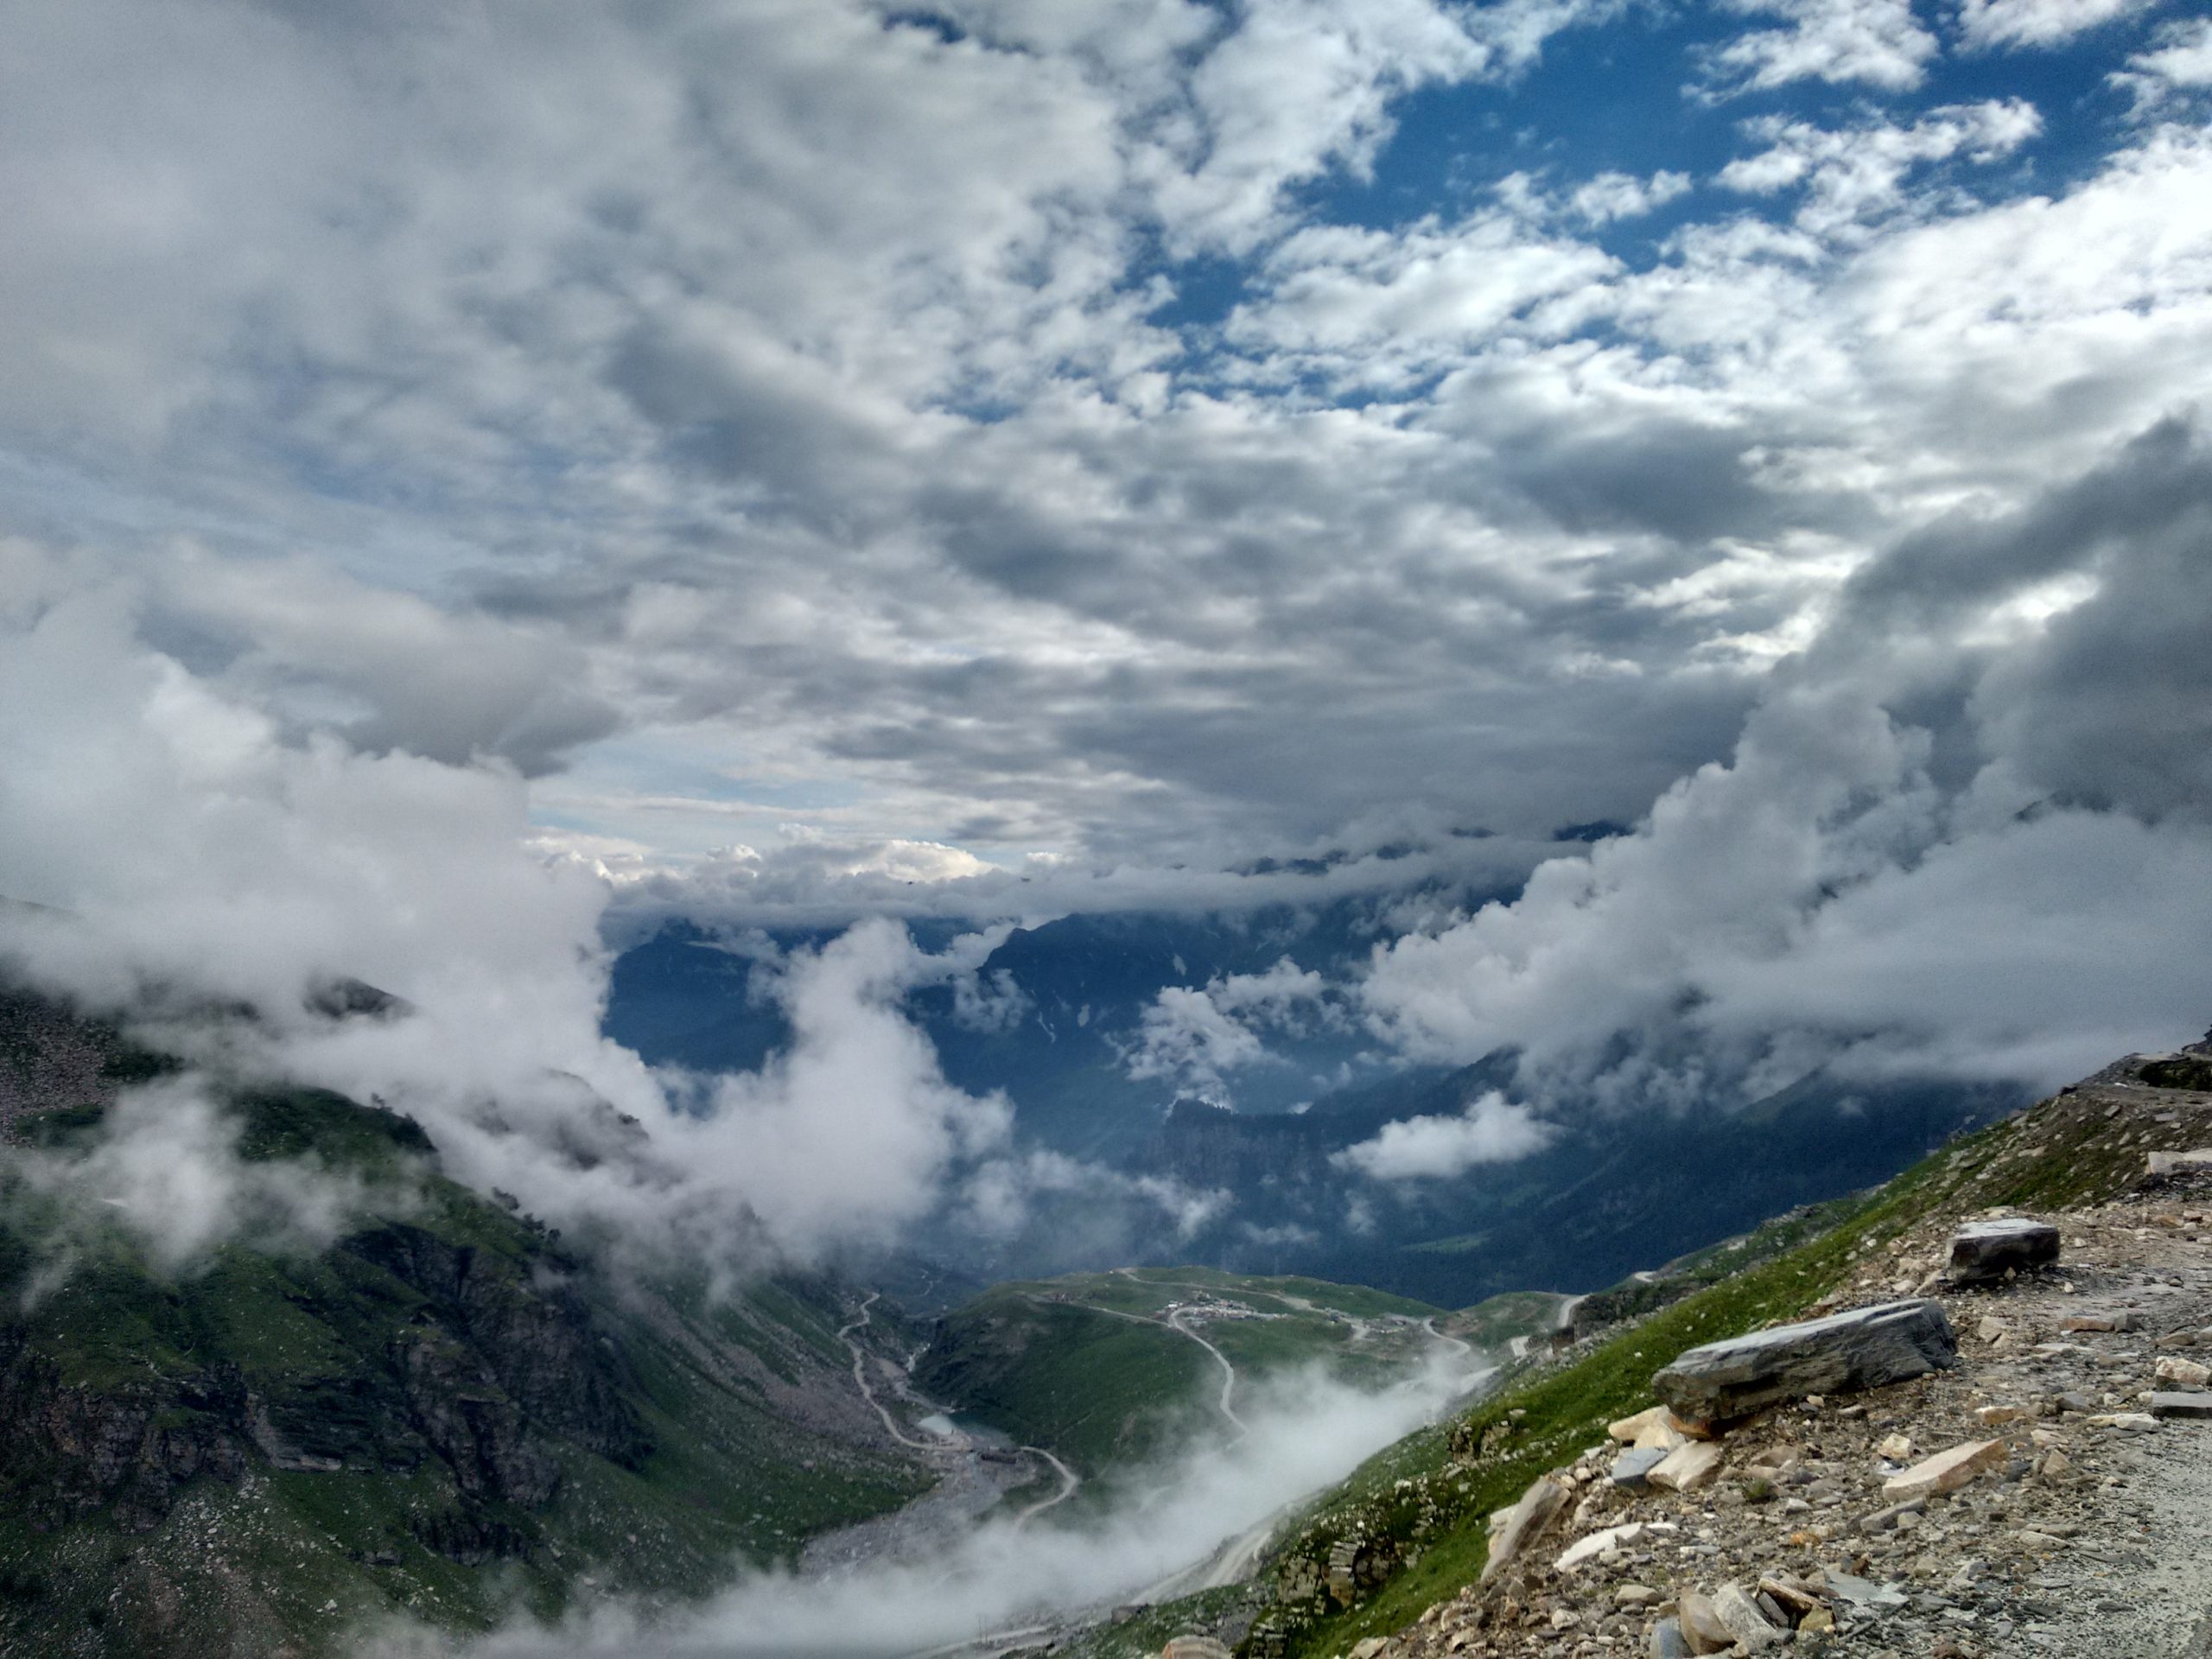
<point>1128,432</point>
<point>465,467</point>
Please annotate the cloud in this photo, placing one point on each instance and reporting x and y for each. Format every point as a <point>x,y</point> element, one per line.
<point>1922,856</point>
<point>1877,42</point>
<point>1852,177</point>
<point>703,448</point>
<point>387,671</point>
<point>1490,1131</point>
<point>1304,1433</point>
<point>1997,24</point>
<point>164,1164</point>
<point>2177,67</point>
<point>1194,1036</point>
<point>1343,289</point>
<point>874,471</point>
<point>1114,1214</point>
<point>1610,196</point>
<point>847,1135</point>
<point>201,858</point>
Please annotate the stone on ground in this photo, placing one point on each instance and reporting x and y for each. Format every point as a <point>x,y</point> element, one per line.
<point>1543,1500</point>
<point>1947,1471</point>
<point>1633,1467</point>
<point>2198,1162</point>
<point>1743,1619</point>
<point>1194,1647</point>
<point>1653,1426</point>
<point>1863,1349</point>
<point>1597,1543</point>
<point>2180,1405</point>
<point>1667,1641</point>
<point>1687,1467</point>
<point>1702,1629</point>
<point>1983,1252</point>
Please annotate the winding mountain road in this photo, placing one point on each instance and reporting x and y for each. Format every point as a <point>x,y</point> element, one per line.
<point>956,1441</point>
<point>860,1379</point>
<point>1172,1323</point>
<point>1070,1483</point>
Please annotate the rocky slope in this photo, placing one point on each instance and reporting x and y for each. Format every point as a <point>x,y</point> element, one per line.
<point>2076,1533</point>
<point>442,1407</point>
<point>2073,1529</point>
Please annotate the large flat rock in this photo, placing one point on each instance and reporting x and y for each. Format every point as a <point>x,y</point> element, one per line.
<point>1983,1252</point>
<point>1865,1348</point>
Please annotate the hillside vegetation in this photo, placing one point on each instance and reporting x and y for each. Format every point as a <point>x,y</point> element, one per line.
<point>440,1408</point>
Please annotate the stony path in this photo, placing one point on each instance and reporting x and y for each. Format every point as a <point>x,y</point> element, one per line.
<point>1070,1484</point>
<point>2091,1534</point>
<point>891,1424</point>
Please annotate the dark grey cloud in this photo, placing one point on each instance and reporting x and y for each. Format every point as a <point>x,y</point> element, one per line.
<point>1964,831</point>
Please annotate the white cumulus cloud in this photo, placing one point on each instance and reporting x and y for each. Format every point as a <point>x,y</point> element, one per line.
<point>1491,1130</point>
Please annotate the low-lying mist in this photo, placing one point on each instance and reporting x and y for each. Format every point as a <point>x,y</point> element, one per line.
<point>1304,1432</point>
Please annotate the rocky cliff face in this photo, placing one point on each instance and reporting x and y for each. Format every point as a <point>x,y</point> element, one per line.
<point>485,1374</point>
<point>73,1448</point>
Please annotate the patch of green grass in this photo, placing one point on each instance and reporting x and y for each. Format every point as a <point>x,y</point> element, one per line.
<point>1099,1390</point>
<point>2182,1072</point>
<point>277,1124</point>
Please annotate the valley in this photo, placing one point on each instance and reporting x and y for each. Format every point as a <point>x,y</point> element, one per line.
<point>448,1415</point>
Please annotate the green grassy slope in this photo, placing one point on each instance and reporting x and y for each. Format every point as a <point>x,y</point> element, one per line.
<point>1088,1366</point>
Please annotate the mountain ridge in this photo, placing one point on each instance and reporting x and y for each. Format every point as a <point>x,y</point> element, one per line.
<point>278,1442</point>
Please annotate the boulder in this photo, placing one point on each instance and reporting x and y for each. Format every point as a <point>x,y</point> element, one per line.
<point>1667,1641</point>
<point>2180,1405</point>
<point>1543,1500</point>
<point>1656,1425</point>
<point>2100,1324</point>
<point>1687,1467</point>
<point>1194,1647</point>
<point>1861,1592</point>
<point>1794,1596</point>
<point>2186,1372</point>
<point>1983,1252</point>
<point>1863,1349</point>
<point>1591,1547</point>
<point>1947,1471</point>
